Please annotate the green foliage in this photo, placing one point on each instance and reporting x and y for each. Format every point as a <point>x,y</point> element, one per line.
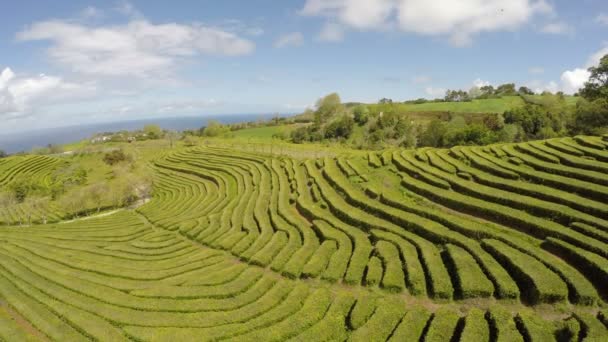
<point>214,129</point>
<point>114,157</point>
<point>153,131</point>
<point>591,116</point>
<point>597,85</point>
<point>341,128</point>
<point>361,114</point>
<point>327,107</point>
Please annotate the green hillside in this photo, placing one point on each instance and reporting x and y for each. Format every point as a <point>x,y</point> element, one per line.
<point>498,105</point>
<point>506,240</point>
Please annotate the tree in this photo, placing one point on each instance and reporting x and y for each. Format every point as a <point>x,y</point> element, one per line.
<point>115,157</point>
<point>531,117</point>
<point>384,100</point>
<point>506,89</point>
<point>341,128</point>
<point>433,134</point>
<point>98,194</point>
<point>173,136</point>
<point>361,114</point>
<point>591,115</point>
<point>525,91</point>
<point>597,85</point>
<point>214,129</point>
<point>300,135</point>
<point>153,131</point>
<point>487,91</point>
<point>475,92</point>
<point>3,154</point>
<point>327,107</point>
<point>456,96</point>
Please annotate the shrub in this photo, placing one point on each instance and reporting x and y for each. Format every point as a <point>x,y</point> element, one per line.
<point>115,157</point>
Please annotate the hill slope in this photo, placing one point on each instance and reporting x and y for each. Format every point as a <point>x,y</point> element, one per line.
<point>398,245</point>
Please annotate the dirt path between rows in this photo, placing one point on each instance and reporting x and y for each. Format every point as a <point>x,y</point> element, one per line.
<point>22,322</point>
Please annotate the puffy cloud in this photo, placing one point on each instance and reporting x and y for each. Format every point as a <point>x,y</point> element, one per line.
<point>573,80</point>
<point>331,32</point>
<point>20,95</point>
<point>289,39</point>
<point>480,83</point>
<point>138,48</point>
<point>457,20</point>
<point>539,86</point>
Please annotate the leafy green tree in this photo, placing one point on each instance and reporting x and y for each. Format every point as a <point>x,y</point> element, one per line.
<point>591,116</point>
<point>327,107</point>
<point>531,117</point>
<point>506,89</point>
<point>214,129</point>
<point>300,135</point>
<point>3,154</point>
<point>525,91</point>
<point>434,134</point>
<point>361,114</point>
<point>341,128</point>
<point>153,131</point>
<point>487,91</point>
<point>115,157</point>
<point>597,85</point>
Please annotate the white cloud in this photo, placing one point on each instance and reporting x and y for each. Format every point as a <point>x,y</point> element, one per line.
<point>139,48</point>
<point>536,70</point>
<point>331,32</point>
<point>457,20</point>
<point>573,80</point>
<point>289,39</point>
<point>480,83</point>
<point>435,92</point>
<point>539,86</point>
<point>557,28</point>
<point>20,94</point>
<point>602,19</point>
<point>594,59</point>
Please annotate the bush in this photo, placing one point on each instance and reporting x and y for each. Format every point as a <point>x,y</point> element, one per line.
<point>115,157</point>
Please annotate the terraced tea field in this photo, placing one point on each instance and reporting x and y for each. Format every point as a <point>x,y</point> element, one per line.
<point>38,169</point>
<point>496,243</point>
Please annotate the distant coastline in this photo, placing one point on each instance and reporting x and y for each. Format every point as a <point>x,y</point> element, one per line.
<point>25,141</point>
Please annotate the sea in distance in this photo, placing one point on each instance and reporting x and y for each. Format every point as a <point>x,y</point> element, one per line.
<point>27,140</point>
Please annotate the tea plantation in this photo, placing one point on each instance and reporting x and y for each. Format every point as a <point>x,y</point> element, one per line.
<point>496,243</point>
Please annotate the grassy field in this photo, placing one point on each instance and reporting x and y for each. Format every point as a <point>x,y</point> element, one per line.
<point>270,242</point>
<point>263,133</point>
<point>487,106</point>
<point>475,106</point>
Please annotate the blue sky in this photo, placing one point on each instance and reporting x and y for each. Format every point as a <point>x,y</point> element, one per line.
<point>94,61</point>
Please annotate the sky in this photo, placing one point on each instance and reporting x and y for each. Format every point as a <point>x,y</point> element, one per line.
<point>81,61</point>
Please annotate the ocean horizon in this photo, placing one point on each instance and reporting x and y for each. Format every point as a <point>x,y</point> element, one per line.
<point>27,140</point>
